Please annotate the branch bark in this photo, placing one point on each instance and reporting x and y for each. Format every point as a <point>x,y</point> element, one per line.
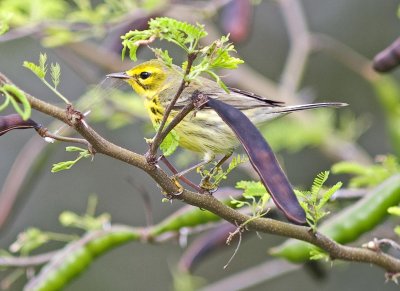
<point>208,202</point>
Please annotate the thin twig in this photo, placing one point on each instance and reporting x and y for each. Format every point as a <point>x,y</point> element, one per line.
<point>253,276</point>
<point>148,209</point>
<point>376,244</point>
<point>296,25</point>
<point>45,133</point>
<point>344,54</point>
<point>160,135</point>
<point>238,231</point>
<point>30,261</point>
<point>145,41</point>
<point>177,119</point>
<point>349,193</point>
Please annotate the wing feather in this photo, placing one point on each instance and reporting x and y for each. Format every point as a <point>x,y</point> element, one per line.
<point>237,98</point>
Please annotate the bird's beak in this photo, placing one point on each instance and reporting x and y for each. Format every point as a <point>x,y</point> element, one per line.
<point>120,75</point>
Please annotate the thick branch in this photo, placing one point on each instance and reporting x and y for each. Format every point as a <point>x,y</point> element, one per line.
<point>210,203</point>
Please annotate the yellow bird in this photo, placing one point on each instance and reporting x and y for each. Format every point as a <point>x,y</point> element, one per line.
<point>204,132</point>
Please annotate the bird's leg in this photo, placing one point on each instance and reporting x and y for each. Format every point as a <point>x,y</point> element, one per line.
<point>194,167</point>
<point>179,176</point>
<point>205,181</point>
<point>221,162</point>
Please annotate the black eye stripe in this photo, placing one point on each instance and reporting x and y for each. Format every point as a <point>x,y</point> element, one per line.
<point>144,75</point>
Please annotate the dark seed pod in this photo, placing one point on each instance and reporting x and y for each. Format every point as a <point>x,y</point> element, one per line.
<point>388,59</point>
<point>237,19</point>
<point>15,121</point>
<point>262,159</point>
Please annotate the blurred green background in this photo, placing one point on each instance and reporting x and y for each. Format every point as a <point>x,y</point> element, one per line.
<point>367,26</point>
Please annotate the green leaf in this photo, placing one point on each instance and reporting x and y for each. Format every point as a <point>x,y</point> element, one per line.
<point>7,100</point>
<point>86,222</point>
<point>29,240</point>
<point>394,210</point>
<point>368,175</point>
<point>239,203</point>
<point>217,55</point>
<point>397,230</point>
<point>17,98</point>
<point>170,143</point>
<point>218,80</point>
<point>164,56</point>
<point>68,218</point>
<point>4,27</point>
<point>130,41</point>
<point>74,149</point>
<point>61,166</point>
<point>328,194</point>
<point>318,254</point>
<point>58,36</point>
<point>319,182</point>
<point>42,62</point>
<point>255,195</point>
<point>39,70</point>
<point>314,201</point>
<point>55,71</point>
<point>251,188</point>
<point>181,33</point>
<point>35,69</point>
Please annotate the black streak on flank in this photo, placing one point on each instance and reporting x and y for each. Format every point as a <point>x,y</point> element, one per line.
<point>263,160</point>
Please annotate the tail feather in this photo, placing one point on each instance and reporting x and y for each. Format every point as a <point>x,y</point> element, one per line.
<point>291,108</point>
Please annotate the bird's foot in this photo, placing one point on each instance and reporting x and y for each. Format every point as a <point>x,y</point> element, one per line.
<point>207,186</point>
<point>178,185</point>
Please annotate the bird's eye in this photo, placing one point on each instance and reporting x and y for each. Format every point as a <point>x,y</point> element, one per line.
<point>144,75</point>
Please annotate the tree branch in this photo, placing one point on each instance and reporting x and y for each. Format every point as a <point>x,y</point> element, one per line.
<point>208,202</point>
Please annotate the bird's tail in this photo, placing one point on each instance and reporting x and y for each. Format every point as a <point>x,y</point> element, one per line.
<point>261,115</point>
<point>291,108</point>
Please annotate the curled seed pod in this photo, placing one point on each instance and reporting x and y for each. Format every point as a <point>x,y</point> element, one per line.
<point>203,246</point>
<point>388,59</point>
<point>262,159</point>
<point>15,121</point>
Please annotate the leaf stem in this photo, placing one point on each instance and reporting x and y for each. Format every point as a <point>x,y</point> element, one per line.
<point>56,91</point>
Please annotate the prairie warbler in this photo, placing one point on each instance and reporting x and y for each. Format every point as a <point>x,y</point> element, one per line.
<point>204,132</point>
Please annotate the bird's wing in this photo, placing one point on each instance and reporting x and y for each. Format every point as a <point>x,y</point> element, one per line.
<point>244,100</point>
<point>237,98</point>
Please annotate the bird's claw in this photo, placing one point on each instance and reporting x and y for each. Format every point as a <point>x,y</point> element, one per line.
<point>207,186</point>
<point>174,179</point>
